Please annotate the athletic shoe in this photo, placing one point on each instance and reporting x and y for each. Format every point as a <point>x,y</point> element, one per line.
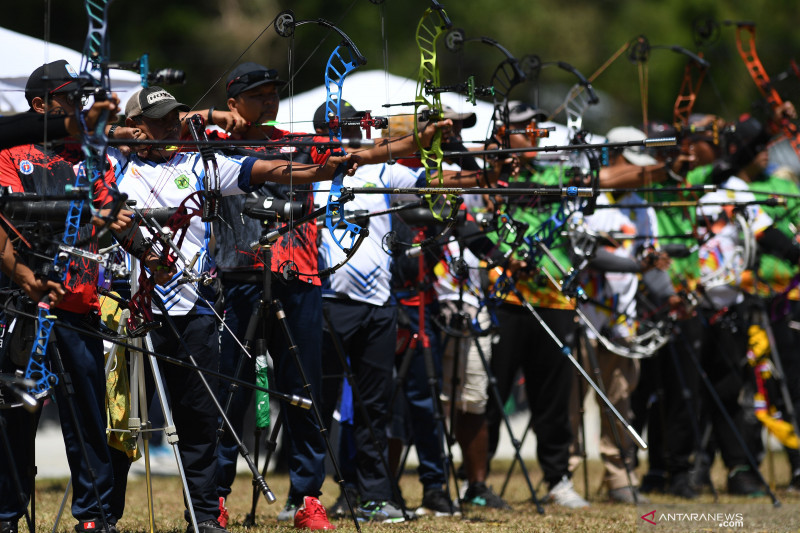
<point>9,526</point>
<point>653,482</point>
<point>380,511</point>
<point>93,525</point>
<point>311,515</point>
<point>794,484</point>
<point>481,495</point>
<point>680,485</point>
<point>340,508</point>
<point>437,503</point>
<point>288,512</point>
<point>223,513</point>
<point>627,495</point>
<point>208,526</point>
<point>563,493</point>
<point>744,482</point>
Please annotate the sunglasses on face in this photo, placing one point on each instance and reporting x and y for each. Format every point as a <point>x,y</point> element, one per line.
<point>252,77</point>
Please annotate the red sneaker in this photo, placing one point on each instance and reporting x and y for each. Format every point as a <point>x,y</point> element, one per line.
<point>311,515</point>
<point>222,519</point>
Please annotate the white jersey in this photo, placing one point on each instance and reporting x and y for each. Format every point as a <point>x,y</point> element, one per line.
<point>724,257</point>
<point>367,276</point>
<point>156,185</point>
<point>616,290</point>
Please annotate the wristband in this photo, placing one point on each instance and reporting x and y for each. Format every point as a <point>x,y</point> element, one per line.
<point>111,131</point>
<point>210,117</point>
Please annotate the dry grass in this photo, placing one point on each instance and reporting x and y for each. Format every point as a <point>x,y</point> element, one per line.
<point>601,517</point>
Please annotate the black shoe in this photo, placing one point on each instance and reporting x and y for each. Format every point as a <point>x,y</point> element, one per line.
<point>340,509</point>
<point>209,526</point>
<point>700,474</point>
<point>437,503</point>
<point>743,481</point>
<point>653,482</point>
<point>481,495</point>
<point>94,525</point>
<point>680,486</point>
<point>9,526</point>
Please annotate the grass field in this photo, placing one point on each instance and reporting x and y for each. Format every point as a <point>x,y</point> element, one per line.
<point>601,517</point>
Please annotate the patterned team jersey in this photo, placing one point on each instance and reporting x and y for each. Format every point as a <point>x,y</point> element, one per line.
<point>155,185</point>
<point>616,291</point>
<point>235,232</point>
<point>367,276</point>
<point>537,289</point>
<point>29,168</point>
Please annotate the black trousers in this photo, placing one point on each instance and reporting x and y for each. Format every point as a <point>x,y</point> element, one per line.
<point>524,344</point>
<point>368,334</point>
<point>659,402</point>
<point>724,358</point>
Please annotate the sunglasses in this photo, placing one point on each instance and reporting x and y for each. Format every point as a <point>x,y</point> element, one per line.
<point>252,77</point>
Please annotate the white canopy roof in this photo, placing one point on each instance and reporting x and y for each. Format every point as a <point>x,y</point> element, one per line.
<point>24,53</point>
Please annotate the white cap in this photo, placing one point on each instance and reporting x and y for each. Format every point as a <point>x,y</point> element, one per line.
<point>633,154</point>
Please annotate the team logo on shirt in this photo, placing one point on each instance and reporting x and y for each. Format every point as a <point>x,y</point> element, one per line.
<point>182,182</point>
<point>26,167</point>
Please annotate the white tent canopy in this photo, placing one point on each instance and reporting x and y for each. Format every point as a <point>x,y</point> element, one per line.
<point>25,53</point>
<point>367,91</point>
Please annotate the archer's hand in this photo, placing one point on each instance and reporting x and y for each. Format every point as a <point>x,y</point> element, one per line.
<point>327,170</point>
<point>426,135</point>
<point>229,121</point>
<point>122,221</point>
<point>784,111</point>
<point>134,134</point>
<point>161,273</point>
<point>93,115</point>
<point>38,288</point>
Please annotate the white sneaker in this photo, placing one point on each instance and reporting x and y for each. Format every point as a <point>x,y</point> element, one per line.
<point>563,493</point>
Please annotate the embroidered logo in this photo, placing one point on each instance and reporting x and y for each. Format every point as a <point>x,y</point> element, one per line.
<point>182,182</point>
<point>26,167</point>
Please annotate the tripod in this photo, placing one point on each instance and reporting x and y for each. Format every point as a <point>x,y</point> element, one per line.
<point>266,310</point>
<point>422,339</point>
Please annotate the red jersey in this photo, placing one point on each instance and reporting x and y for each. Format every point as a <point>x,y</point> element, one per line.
<point>236,232</point>
<point>28,168</point>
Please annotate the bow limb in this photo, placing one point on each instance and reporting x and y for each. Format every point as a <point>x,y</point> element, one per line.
<point>430,29</point>
<point>747,50</point>
<point>344,59</point>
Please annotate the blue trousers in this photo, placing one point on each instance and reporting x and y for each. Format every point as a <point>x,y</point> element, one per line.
<point>82,356</point>
<point>427,434</point>
<point>302,303</point>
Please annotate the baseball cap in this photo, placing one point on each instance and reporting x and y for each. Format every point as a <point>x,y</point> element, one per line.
<point>635,155</point>
<point>346,109</point>
<point>248,76</point>
<point>521,112</point>
<point>56,77</point>
<point>152,102</point>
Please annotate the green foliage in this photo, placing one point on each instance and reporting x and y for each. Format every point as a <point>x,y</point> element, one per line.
<point>207,37</point>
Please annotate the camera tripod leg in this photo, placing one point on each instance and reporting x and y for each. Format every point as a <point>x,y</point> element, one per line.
<point>727,417</point>
<point>280,316</point>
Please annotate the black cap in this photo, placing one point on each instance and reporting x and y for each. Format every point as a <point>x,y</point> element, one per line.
<point>346,110</point>
<point>746,141</point>
<point>248,76</point>
<point>53,78</point>
<point>152,102</point>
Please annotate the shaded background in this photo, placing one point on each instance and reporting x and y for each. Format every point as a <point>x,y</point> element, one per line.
<point>206,38</point>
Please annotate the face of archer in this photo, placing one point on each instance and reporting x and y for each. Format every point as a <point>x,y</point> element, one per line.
<point>157,129</point>
<point>257,105</point>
